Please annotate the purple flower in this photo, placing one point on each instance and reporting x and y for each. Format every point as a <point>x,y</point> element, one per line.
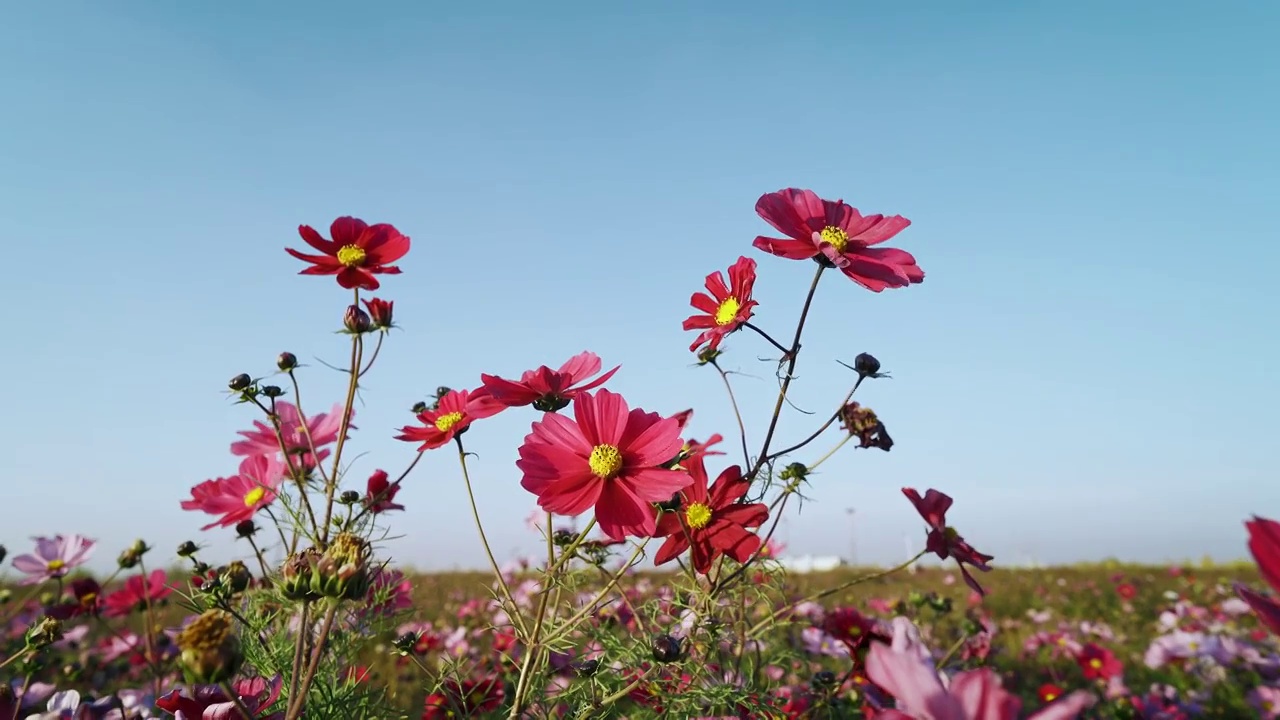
<point>54,558</point>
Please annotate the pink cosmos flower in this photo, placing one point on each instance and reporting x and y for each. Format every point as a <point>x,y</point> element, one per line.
<point>724,307</point>
<point>138,590</point>
<point>261,440</point>
<point>380,495</point>
<point>238,497</point>
<point>209,702</point>
<point>837,235</point>
<point>546,389</point>
<point>607,457</point>
<point>944,541</point>
<point>904,670</point>
<point>54,557</point>
<point>455,412</point>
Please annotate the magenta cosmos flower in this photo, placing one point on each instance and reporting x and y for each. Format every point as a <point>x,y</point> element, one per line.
<point>606,457</point>
<point>839,236</point>
<point>724,307</point>
<point>54,557</point>
<point>357,252</point>
<point>261,440</point>
<point>546,389</point>
<point>238,497</point>
<point>454,413</point>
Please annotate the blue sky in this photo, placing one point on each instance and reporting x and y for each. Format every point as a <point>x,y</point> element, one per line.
<point>1087,368</point>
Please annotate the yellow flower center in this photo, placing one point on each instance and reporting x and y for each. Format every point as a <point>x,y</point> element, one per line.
<point>605,461</point>
<point>445,422</point>
<point>1050,697</point>
<point>728,310</point>
<point>838,238</point>
<point>697,515</point>
<point>254,496</point>
<point>353,255</point>
<point>56,565</point>
<point>1096,664</point>
<point>1193,646</point>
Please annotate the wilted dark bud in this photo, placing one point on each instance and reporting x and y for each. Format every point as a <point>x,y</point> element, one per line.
<point>708,355</point>
<point>349,497</point>
<point>418,408</point>
<point>210,650</point>
<point>586,668</point>
<point>666,649</point>
<point>862,423</point>
<point>246,528</point>
<point>406,643</point>
<point>272,391</point>
<point>44,633</point>
<point>356,320</point>
<point>240,382</point>
<point>295,575</point>
<point>187,549</point>
<point>286,361</point>
<point>795,472</point>
<point>866,365</point>
<point>236,576</point>
<point>550,403</point>
<point>824,679</point>
<point>671,505</point>
<point>562,538</point>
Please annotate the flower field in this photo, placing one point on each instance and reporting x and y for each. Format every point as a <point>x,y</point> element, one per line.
<point>660,592</point>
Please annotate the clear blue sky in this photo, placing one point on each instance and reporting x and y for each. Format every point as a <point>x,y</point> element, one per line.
<point>1088,368</point>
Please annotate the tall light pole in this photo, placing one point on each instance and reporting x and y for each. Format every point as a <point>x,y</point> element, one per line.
<point>853,536</point>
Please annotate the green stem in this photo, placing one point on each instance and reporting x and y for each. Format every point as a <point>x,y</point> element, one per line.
<point>512,609</point>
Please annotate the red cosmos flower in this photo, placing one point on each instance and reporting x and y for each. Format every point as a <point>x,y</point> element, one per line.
<point>454,413</point>
<point>136,593</point>
<point>607,457</point>
<point>1098,663</point>
<point>853,628</point>
<point>944,541</point>
<point>210,702</point>
<point>1049,692</point>
<point>87,594</point>
<point>380,312</point>
<point>238,497</point>
<point>468,698</point>
<point>837,235</point>
<point>1264,545</point>
<point>1126,591</point>
<point>724,307</point>
<point>711,521</point>
<point>357,252</point>
<point>546,389</point>
<point>380,493</point>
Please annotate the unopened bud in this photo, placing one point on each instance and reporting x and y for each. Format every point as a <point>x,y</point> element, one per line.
<point>236,576</point>
<point>666,649</point>
<point>44,633</point>
<point>586,668</point>
<point>671,505</point>
<point>356,320</point>
<point>286,361</point>
<point>187,549</point>
<point>210,651</point>
<point>272,391</point>
<point>708,355</point>
<point>824,679</point>
<point>240,382</point>
<point>562,538</point>
<point>406,643</point>
<point>349,497</point>
<point>418,408</point>
<point>866,365</point>
<point>246,528</point>
<point>795,472</point>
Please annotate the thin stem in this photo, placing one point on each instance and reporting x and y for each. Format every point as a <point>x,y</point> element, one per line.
<point>786,379</point>
<point>357,352</point>
<point>295,473</point>
<point>377,348</point>
<point>385,494</point>
<point>955,648</point>
<point>262,561</point>
<point>296,703</point>
<point>829,453</point>
<point>767,622</point>
<point>306,428</point>
<point>235,698</point>
<point>532,649</point>
<point>299,649</point>
<point>513,610</point>
<point>17,706</point>
<point>834,416</point>
<point>611,699</point>
<point>13,657</point>
<point>149,619</point>
<point>742,426</point>
<point>767,337</point>
<point>568,626</point>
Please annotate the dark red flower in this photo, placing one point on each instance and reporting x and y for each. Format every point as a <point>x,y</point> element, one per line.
<point>711,521</point>
<point>466,698</point>
<point>944,541</point>
<point>357,252</point>
<point>1266,608</point>
<point>380,493</point>
<point>852,628</point>
<point>1098,663</point>
<point>546,389</point>
<point>87,594</point>
<point>209,701</point>
<point>862,423</point>
<point>1049,692</point>
<point>138,591</point>
<point>380,312</point>
<point>1264,545</point>
<point>1126,591</point>
<point>724,307</point>
<point>838,236</point>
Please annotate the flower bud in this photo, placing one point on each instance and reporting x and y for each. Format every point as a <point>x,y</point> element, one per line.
<point>418,408</point>
<point>795,471</point>
<point>295,575</point>
<point>246,528</point>
<point>708,355</point>
<point>671,505</point>
<point>866,365</point>
<point>4,552</point>
<point>562,537</point>
<point>349,497</point>
<point>272,391</point>
<point>406,643</point>
<point>44,633</point>
<point>550,403</point>
<point>240,383</point>
<point>187,549</point>
<point>210,650</point>
<point>666,649</point>
<point>586,668</point>
<point>128,559</point>
<point>236,576</point>
<point>380,313</point>
<point>343,570</point>
<point>824,679</point>
<point>286,361</point>
<point>356,321</point>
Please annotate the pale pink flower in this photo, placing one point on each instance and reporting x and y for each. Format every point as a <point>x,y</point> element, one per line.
<point>262,440</point>
<point>54,557</point>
